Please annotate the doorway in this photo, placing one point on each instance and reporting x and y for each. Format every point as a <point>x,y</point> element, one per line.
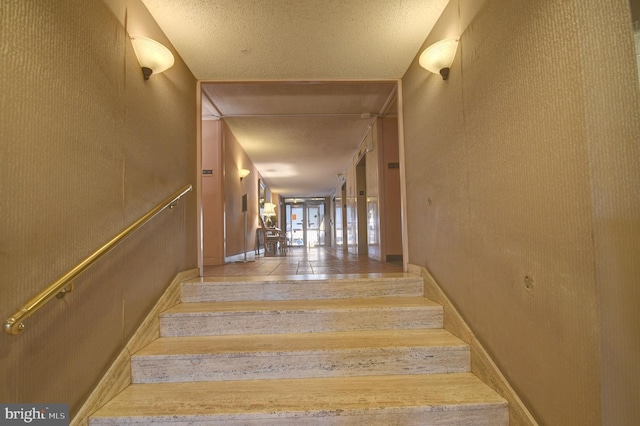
<point>305,222</point>
<point>219,163</point>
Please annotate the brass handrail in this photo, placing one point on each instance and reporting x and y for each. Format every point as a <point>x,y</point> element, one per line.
<point>14,325</point>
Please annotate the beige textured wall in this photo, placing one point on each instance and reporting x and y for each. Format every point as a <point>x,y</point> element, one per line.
<point>522,178</point>
<point>87,146</point>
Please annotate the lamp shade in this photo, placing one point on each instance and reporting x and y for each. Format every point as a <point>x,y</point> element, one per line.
<point>439,56</point>
<point>152,56</point>
<point>269,209</point>
<point>243,173</point>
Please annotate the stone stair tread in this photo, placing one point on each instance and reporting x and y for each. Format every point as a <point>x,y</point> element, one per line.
<point>168,347</point>
<point>300,316</point>
<point>279,399</point>
<point>308,279</point>
<point>283,288</point>
<point>240,307</point>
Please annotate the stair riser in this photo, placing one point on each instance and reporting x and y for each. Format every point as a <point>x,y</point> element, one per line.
<point>299,322</point>
<point>375,361</point>
<point>490,415</point>
<point>299,290</point>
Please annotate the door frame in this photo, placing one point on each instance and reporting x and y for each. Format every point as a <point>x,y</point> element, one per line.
<point>198,166</point>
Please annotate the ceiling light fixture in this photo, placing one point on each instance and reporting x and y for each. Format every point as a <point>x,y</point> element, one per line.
<point>438,57</point>
<point>153,57</point>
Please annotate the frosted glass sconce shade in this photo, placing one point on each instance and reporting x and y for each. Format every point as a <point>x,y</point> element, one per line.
<point>243,173</point>
<point>438,57</point>
<point>153,56</point>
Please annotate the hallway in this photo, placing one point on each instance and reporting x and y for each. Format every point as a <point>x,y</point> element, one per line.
<point>315,261</point>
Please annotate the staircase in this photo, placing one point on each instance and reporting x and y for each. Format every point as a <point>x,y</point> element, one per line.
<point>357,351</point>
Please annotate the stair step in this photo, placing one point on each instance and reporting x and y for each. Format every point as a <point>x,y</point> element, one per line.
<point>249,357</point>
<point>300,316</point>
<point>315,352</point>
<point>443,399</point>
<point>273,288</point>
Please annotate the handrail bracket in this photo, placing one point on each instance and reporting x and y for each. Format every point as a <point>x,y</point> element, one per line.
<point>64,291</point>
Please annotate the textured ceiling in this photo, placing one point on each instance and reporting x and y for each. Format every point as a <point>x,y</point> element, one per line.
<point>298,124</point>
<point>296,39</point>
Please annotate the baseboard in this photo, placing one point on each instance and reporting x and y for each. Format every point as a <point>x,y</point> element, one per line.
<point>481,363</point>
<point>394,258</point>
<point>240,257</point>
<point>118,376</point>
<point>213,261</point>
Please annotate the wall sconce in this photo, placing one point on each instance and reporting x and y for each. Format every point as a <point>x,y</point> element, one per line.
<point>438,57</point>
<point>243,173</point>
<point>153,56</point>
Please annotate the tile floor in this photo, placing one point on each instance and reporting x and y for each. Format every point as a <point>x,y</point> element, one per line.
<point>304,261</point>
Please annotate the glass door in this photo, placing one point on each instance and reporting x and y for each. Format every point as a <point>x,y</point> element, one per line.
<point>305,224</point>
<point>295,225</point>
<point>315,229</point>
